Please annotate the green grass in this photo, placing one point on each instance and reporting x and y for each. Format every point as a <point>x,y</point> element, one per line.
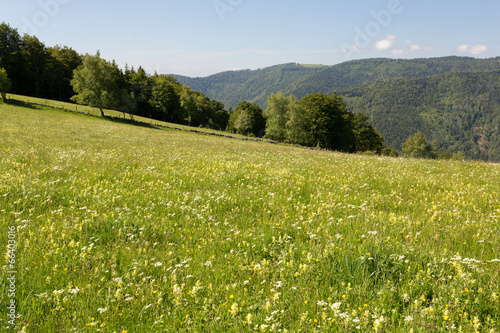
<point>113,114</point>
<point>123,228</point>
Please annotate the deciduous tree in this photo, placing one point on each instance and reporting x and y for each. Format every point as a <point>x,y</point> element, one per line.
<point>276,114</point>
<point>95,83</point>
<point>416,146</point>
<point>256,119</point>
<point>327,123</point>
<point>5,84</point>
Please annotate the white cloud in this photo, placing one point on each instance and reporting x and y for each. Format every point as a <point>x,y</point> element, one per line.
<point>478,49</point>
<point>463,48</point>
<point>385,44</point>
<point>474,50</point>
<point>407,47</point>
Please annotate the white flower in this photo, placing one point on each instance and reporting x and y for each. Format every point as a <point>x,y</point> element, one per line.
<point>101,310</point>
<point>335,306</point>
<point>208,263</point>
<point>74,291</point>
<point>158,264</point>
<point>343,315</point>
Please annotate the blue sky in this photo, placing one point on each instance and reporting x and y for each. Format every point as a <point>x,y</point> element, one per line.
<point>203,37</point>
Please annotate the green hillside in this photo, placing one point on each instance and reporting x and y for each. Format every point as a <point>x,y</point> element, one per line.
<point>460,111</point>
<point>255,85</point>
<point>112,227</point>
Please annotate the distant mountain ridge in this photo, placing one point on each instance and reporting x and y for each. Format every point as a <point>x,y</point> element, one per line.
<point>458,110</point>
<point>255,86</point>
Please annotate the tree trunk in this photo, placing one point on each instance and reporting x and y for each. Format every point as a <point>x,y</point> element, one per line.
<point>102,112</point>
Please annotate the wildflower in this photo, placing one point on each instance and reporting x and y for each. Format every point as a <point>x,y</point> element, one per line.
<point>378,323</point>
<point>477,323</point>
<point>335,306</point>
<point>248,319</point>
<point>102,310</point>
<point>234,309</point>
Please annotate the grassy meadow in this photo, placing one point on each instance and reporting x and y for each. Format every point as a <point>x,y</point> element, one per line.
<point>123,228</point>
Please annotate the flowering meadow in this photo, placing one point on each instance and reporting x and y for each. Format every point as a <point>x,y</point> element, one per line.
<point>123,228</point>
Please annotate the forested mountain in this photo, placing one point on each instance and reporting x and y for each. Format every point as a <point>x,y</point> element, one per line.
<point>255,85</point>
<point>460,111</point>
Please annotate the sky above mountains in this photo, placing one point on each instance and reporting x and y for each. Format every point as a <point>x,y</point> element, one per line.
<point>203,37</point>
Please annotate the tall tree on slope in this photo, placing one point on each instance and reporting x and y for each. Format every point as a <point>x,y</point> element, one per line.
<point>95,83</point>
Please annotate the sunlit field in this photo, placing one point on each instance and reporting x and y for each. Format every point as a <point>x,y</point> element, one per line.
<point>123,228</point>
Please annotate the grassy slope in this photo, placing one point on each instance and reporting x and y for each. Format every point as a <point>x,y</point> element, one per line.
<point>127,228</point>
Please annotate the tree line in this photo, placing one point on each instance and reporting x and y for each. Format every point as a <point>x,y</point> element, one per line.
<point>60,73</point>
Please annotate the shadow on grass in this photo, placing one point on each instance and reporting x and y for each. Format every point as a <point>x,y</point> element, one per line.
<point>20,104</point>
<point>129,122</point>
<point>108,118</point>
